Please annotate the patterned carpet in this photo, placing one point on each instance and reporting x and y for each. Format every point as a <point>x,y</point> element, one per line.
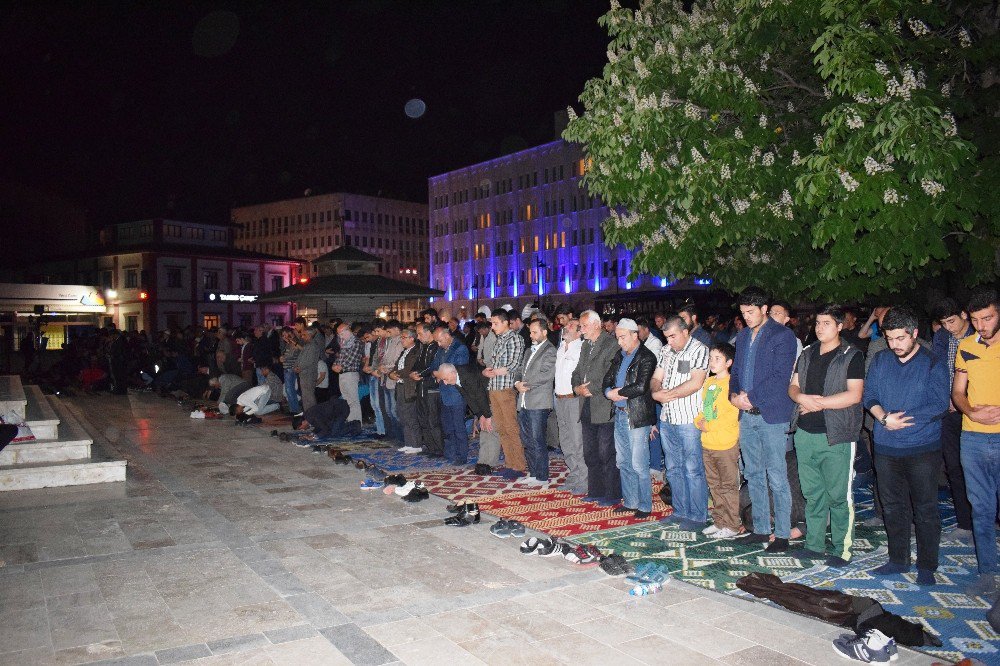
<point>464,483</point>
<point>391,460</point>
<point>560,514</point>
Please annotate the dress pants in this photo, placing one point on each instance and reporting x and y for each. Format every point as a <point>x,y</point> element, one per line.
<point>722,472</point>
<point>603,478</point>
<point>489,448</point>
<point>349,391</point>
<point>504,407</point>
<point>908,486</point>
<point>307,385</point>
<point>456,439</point>
<point>407,412</point>
<point>951,438</point>
<point>429,406</point>
<point>571,443</point>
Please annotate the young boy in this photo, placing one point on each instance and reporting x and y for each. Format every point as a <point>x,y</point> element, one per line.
<point>720,433</point>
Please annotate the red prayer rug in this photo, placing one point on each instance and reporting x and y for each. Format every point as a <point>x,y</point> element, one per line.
<point>458,485</point>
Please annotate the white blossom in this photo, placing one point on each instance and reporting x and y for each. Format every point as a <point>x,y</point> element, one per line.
<point>640,68</point>
<point>946,90</point>
<point>696,156</point>
<point>738,133</point>
<point>818,140</point>
<point>848,181</point>
<point>691,111</point>
<point>964,38</point>
<point>716,220</point>
<point>571,113</point>
<point>881,68</point>
<point>951,129</point>
<point>646,162</point>
<point>725,173</point>
<point>617,119</point>
<point>740,206</point>
<point>768,159</point>
<point>890,196</point>
<point>790,107</point>
<point>627,139</point>
<point>612,56</point>
<point>796,158</point>
<point>855,122</point>
<point>918,27</point>
<point>762,121</point>
<point>931,187</point>
<point>615,81</point>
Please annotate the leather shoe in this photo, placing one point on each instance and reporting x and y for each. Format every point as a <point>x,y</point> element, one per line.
<point>482,469</point>
<point>468,516</point>
<point>418,494</point>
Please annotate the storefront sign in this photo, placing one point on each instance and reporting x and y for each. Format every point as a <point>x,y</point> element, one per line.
<point>218,297</point>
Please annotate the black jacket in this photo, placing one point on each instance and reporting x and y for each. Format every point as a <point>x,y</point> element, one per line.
<point>641,408</point>
<point>473,389</point>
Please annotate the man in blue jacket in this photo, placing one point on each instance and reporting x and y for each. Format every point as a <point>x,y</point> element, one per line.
<point>907,393</point>
<point>759,380</point>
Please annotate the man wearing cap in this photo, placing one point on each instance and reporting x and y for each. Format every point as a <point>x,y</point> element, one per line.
<point>626,384</point>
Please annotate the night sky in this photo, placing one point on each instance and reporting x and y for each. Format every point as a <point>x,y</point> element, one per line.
<point>118,111</point>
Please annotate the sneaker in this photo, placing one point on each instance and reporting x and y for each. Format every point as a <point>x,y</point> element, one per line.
<point>710,530</point>
<point>405,489</point>
<point>873,647</point>
<point>724,533</point>
<point>304,443</point>
<point>371,484</point>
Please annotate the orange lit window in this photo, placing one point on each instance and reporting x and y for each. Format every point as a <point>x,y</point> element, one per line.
<point>547,242</point>
<point>564,239</point>
<point>529,213</point>
<point>522,245</point>
<point>488,222</point>
<point>536,243</point>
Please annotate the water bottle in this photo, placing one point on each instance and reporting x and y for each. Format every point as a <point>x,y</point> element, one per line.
<point>643,589</point>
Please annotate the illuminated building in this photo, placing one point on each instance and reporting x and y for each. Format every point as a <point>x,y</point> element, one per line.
<point>520,229</point>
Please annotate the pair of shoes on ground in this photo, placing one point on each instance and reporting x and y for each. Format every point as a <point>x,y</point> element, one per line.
<point>338,456</point>
<point>410,449</point>
<point>543,547</point>
<point>872,647</point>
<point>482,469</point>
<point>413,491</point>
<point>504,529</point>
<point>467,514</point>
<point>720,532</point>
<point>777,545</point>
<point>581,554</point>
<point>616,565</point>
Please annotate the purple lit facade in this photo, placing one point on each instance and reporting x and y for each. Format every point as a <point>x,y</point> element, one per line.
<point>520,229</point>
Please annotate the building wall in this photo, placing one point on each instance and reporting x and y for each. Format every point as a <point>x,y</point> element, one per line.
<point>520,229</point>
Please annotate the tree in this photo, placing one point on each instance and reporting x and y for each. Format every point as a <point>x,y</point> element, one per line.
<point>812,147</point>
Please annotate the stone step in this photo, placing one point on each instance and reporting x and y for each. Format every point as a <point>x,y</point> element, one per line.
<point>72,441</point>
<point>12,398</point>
<point>68,473</point>
<point>39,415</point>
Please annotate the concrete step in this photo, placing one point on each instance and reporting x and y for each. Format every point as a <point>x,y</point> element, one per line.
<point>12,398</point>
<point>68,473</point>
<point>39,415</point>
<point>72,441</point>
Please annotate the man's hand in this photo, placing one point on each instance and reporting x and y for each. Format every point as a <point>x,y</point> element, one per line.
<point>654,432</point>
<point>298,369</point>
<point>394,376</point>
<point>415,376</point>
<point>486,423</point>
<point>613,395</point>
<point>490,372</point>
<point>898,421</point>
<point>741,401</point>
<point>664,395</point>
<point>521,387</point>
<point>985,414</point>
<point>582,390</point>
<point>337,368</point>
<point>809,403</point>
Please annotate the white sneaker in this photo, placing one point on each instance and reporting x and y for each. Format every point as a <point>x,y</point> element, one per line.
<point>405,489</point>
<point>532,481</point>
<point>725,533</point>
<point>710,530</point>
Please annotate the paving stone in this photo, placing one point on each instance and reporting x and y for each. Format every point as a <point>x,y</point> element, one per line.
<point>358,646</point>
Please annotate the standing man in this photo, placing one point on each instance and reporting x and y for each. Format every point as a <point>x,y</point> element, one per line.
<point>781,312</point>
<point>374,344</point>
<point>263,355</point>
<point>626,384</point>
<point>906,392</point>
<point>306,364</point>
<point>689,313</point>
<point>534,400</point>
<point>453,353</point>
<point>827,386</point>
<point>502,371</point>
<point>567,407</point>
<point>652,342</point>
<point>347,364</point>
<point>677,382</point>
<point>597,427</point>
<point>429,400</point>
<point>976,393</point>
<point>387,386</point>
<point>406,391</point>
<point>290,348</point>
<point>955,327</point>
<point>765,354</point>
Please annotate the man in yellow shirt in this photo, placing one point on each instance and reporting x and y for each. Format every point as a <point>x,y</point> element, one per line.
<point>976,393</point>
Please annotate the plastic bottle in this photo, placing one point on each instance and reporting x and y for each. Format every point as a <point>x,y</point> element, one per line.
<point>643,589</point>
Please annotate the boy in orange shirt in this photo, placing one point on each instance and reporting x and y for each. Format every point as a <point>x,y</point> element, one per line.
<point>720,433</point>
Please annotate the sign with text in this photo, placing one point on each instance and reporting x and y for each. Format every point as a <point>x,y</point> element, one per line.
<point>219,297</point>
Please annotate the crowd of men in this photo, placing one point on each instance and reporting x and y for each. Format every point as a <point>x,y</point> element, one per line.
<point>633,402</point>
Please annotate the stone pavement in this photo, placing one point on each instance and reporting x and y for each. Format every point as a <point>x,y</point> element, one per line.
<point>227,546</point>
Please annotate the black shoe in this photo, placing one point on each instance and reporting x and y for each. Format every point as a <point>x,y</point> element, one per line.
<point>665,494</point>
<point>642,515</point>
<point>469,515</point>
<point>379,437</point>
<point>395,480</point>
<point>297,421</point>
<point>753,537</point>
<point>254,420</point>
<point>623,509</point>
<point>418,494</point>
<point>483,469</point>
<point>779,545</point>
<point>274,433</point>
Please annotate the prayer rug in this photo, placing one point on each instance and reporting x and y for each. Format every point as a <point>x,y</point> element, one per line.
<point>392,460</point>
<point>464,484</point>
<point>561,514</point>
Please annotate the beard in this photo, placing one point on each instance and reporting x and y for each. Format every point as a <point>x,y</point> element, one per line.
<point>989,334</point>
<point>903,353</point>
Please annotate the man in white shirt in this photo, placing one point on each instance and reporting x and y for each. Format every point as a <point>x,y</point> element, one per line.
<point>652,342</point>
<point>567,406</point>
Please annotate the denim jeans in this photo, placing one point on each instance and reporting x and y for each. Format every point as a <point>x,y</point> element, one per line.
<point>908,486</point>
<point>292,391</point>
<point>531,423</point>
<point>393,429</point>
<point>763,447</point>
<point>656,447</point>
<point>981,464</point>
<point>685,470</point>
<point>456,438</point>
<point>261,379</point>
<point>632,455</point>
<point>374,399</point>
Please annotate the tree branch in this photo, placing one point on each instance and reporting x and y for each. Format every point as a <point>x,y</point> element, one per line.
<point>795,84</point>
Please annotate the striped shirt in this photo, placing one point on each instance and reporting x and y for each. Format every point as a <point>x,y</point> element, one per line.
<point>507,353</point>
<point>677,368</point>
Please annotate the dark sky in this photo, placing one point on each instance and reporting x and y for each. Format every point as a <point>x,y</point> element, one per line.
<point>125,110</point>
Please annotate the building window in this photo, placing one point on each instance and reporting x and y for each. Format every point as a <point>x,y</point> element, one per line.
<point>131,322</point>
<point>173,320</point>
<point>211,321</point>
<point>172,230</point>
<point>277,282</point>
<point>210,280</point>
<point>173,277</point>
<point>277,320</point>
<point>131,278</point>
<point>246,320</point>
<point>246,281</point>
<point>106,280</point>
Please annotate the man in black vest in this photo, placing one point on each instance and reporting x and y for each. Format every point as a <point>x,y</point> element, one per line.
<point>827,388</point>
